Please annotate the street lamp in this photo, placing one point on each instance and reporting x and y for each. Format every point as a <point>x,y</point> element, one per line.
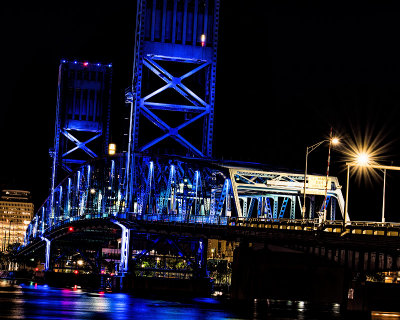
<point>332,141</point>
<point>363,160</point>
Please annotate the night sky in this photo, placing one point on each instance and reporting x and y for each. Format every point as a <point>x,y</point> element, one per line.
<point>287,71</point>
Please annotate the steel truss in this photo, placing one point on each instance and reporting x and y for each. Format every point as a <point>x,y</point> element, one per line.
<point>180,187</point>
<point>282,188</point>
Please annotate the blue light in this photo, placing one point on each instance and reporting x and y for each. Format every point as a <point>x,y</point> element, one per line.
<point>75,62</point>
<point>110,65</point>
<point>98,64</point>
<point>63,61</point>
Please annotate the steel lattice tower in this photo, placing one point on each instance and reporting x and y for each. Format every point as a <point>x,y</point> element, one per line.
<point>174,76</point>
<point>176,41</point>
<point>82,116</point>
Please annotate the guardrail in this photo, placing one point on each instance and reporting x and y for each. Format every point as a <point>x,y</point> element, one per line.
<point>334,226</point>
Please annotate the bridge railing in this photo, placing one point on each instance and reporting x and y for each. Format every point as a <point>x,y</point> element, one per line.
<point>308,225</point>
<point>182,218</point>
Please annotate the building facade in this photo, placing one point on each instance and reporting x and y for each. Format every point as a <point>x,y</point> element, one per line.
<point>16,211</point>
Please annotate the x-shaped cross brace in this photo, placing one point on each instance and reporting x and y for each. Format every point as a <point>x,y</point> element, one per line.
<point>79,145</point>
<point>198,105</point>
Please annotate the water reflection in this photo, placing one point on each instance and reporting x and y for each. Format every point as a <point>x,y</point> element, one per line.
<point>33,301</point>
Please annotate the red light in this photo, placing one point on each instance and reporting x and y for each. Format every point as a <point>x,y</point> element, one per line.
<point>71,229</point>
<point>76,271</point>
<point>203,40</point>
<point>85,64</point>
<point>36,269</point>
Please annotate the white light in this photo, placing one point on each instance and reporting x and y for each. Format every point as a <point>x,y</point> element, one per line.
<point>335,141</point>
<point>362,159</point>
<point>203,40</point>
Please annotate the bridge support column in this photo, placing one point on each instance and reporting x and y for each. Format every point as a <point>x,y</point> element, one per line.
<point>125,248</point>
<point>47,256</point>
<point>126,254</point>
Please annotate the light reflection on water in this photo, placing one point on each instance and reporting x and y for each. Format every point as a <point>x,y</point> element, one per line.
<point>43,302</point>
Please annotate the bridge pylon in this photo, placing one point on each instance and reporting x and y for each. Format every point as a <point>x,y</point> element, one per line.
<point>82,117</point>
<point>174,77</point>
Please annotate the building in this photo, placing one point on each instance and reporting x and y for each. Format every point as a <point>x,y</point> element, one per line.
<point>16,211</point>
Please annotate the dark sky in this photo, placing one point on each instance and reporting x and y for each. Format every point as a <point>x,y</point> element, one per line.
<point>287,71</point>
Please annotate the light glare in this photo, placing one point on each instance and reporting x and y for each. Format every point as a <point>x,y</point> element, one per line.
<point>112,148</point>
<point>364,149</point>
<point>335,141</point>
<point>362,159</point>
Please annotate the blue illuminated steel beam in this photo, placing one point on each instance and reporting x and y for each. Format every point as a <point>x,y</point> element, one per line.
<point>268,208</point>
<point>283,207</point>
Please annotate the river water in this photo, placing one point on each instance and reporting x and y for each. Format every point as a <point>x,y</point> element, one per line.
<point>32,301</point>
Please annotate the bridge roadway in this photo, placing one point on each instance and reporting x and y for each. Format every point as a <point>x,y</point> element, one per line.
<point>361,246</point>
<point>356,234</point>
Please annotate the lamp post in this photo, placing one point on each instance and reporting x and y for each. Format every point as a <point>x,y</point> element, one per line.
<point>347,195</point>
<point>363,161</point>
<point>331,140</point>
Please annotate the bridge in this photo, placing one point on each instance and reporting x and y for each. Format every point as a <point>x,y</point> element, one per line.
<point>143,202</point>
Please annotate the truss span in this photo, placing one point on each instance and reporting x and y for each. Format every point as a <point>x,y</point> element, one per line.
<point>191,189</point>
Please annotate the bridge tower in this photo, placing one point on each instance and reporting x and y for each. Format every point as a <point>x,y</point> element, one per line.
<point>174,76</point>
<point>82,116</point>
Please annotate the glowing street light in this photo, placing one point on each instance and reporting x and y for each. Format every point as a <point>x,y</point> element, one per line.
<point>363,160</point>
<point>332,141</point>
<point>335,141</point>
